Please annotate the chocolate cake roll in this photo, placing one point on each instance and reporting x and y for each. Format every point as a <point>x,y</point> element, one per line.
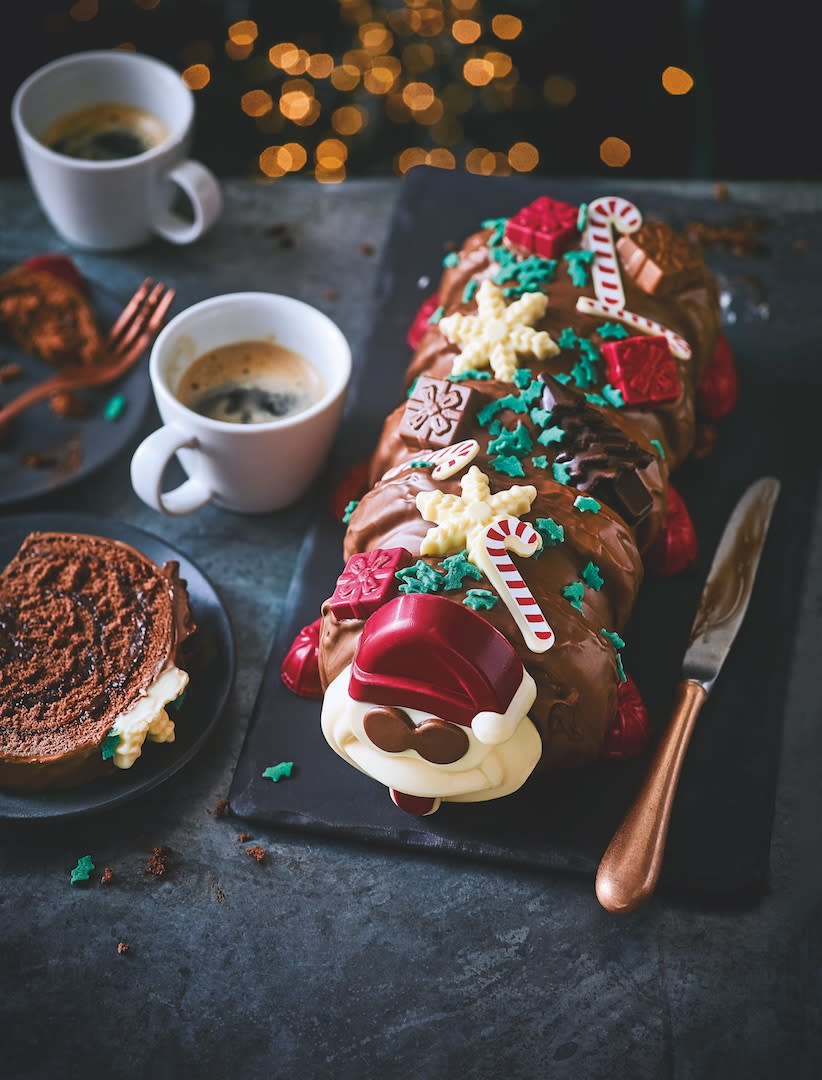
<point>92,634</point>
<point>517,496</point>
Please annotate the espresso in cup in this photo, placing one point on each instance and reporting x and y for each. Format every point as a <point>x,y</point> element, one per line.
<point>105,132</point>
<point>250,382</point>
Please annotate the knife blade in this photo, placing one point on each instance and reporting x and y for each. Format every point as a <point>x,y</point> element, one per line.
<point>630,867</point>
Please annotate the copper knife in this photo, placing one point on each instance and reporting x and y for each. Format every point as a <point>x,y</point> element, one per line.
<point>630,867</point>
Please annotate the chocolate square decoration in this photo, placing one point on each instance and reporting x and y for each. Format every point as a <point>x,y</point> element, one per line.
<point>643,369</point>
<point>368,582</point>
<point>658,259</point>
<point>545,227</point>
<point>436,413</point>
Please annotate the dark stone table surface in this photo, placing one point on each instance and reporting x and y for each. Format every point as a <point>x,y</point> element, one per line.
<point>333,960</point>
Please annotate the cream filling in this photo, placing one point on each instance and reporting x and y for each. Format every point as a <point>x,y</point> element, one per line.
<point>147,717</point>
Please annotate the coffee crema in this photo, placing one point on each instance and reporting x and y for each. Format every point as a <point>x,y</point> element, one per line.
<point>105,132</point>
<point>250,382</point>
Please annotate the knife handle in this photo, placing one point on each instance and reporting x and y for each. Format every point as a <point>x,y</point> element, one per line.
<point>630,867</point>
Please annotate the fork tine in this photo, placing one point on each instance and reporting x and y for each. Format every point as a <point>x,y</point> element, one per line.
<point>129,310</point>
<point>156,320</point>
<point>139,320</point>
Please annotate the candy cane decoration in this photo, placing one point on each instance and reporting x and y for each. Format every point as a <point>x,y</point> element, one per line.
<point>602,214</point>
<point>447,461</point>
<point>679,346</point>
<point>503,535</point>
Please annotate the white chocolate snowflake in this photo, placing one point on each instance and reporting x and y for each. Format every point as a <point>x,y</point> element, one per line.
<point>498,333</point>
<point>462,519</point>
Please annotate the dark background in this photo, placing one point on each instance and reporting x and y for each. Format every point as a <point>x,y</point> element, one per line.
<point>754,111</point>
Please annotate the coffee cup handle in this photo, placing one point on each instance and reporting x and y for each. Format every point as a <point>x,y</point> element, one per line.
<point>205,196</point>
<point>148,465</point>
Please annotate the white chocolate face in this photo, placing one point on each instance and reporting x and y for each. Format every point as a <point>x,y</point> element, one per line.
<point>485,771</point>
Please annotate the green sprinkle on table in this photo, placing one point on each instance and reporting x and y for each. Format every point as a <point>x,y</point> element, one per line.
<point>109,745</point>
<point>660,449</point>
<point>574,593</point>
<point>585,502</point>
<point>480,599</point>
<point>436,315</point>
<point>278,771</point>
<point>114,407</point>
<point>349,510</point>
<point>82,871</point>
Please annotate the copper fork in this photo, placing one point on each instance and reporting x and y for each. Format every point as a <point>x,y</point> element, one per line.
<point>126,342</point>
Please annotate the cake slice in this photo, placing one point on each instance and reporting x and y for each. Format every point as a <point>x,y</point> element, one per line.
<point>92,635</point>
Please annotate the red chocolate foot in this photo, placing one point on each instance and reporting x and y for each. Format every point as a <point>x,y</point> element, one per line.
<point>631,731</point>
<point>418,328</point>
<point>60,266</point>
<point>418,805</point>
<point>717,392</point>
<point>351,488</point>
<point>676,546</point>
<point>299,670</point>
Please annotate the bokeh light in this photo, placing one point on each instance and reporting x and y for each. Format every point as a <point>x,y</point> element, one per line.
<point>256,102</point>
<point>197,76</point>
<point>614,152</point>
<point>559,90</point>
<point>676,81</point>
<point>506,27</point>
<point>466,31</point>
<point>478,71</point>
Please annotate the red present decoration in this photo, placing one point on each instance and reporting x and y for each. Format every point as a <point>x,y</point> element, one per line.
<point>546,227</point>
<point>643,369</point>
<point>718,389</point>
<point>420,326</point>
<point>631,730</point>
<point>367,582</point>
<point>60,266</point>
<point>300,669</point>
<point>351,488</point>
<point>675,548</point>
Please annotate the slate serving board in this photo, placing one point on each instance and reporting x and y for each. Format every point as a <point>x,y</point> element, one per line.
<point>718,847</point>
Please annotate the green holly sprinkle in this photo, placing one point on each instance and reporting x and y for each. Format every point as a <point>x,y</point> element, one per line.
<point>498,225</point>
<point>540,417</point>
<point>588,349</point>
<point>114,407</point>
<point>490,410</point>
<point>457,568</point>
<point>563,377</point>
<point>552,532</point>
<point>470,373</point>
<point>451,259</point>
<point>513,402</point>
<point>528,275</point>
<point>495,427</point>
<point>561,473</point>
<point>573,593</point>
<point>410,391</point>
<point>578,264</point>
<point>421,464</point>
<point>597,399</point>
<point>480,599</point>
<point>553,434</point>
<point>109,745</point>
<point>420,578</point>
<point>620,668</point>
<point>533,392</point>
<point>582,217</point>
<point>613,637</point>
<point>436,315</point>
<point>585,502</point>
<point>349,509</point>
<point>278,771</point>
<point>583,374</point>
<point>469,290</point>
<point>516,442</point>
<point>508,465</point>
<point>178,702</point>
<point>522,376</point>
<point>82,871</point>
<point>660,449</point>
<point>567,338</point>
<point>613,396</point>
<point>612,331</point>
<point>540,462</point>
<point>592,577</point>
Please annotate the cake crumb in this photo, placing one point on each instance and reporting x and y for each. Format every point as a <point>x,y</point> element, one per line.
<point>331,294</point>
<point>33,460</point>
<point>244,837</point>
<point>67,403</point>
<point>106,875</point>
<point>721,191</point>
<point>257,853</point>
<point>9,372</point>
<point>122,947</point>
<point>221,809</point>
<point>367,248</point>
<point>157,860</point>
<point>219,895</point>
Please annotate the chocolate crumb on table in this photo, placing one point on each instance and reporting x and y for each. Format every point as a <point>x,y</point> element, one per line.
<point>67,403</point>
<point>331,294</point>
<point>367,248</point>
<point>34,460</point>
<point>257,853</point>
<point>157,860</point>
<point>122,947</point>
<point>244,837</point>
<point>219,895</point>
<point>106,875</point>
<point>221,808</point>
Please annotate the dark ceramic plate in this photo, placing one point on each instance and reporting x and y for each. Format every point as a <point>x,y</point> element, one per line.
<point>76,446</point>
<point>211,671</point>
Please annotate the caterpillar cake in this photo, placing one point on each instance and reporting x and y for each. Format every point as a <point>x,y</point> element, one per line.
<point>92,633</point>
<point>513,503</point>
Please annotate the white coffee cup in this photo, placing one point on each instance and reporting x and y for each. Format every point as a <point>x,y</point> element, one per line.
<point>118,204</point>
<point>250,468</point>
